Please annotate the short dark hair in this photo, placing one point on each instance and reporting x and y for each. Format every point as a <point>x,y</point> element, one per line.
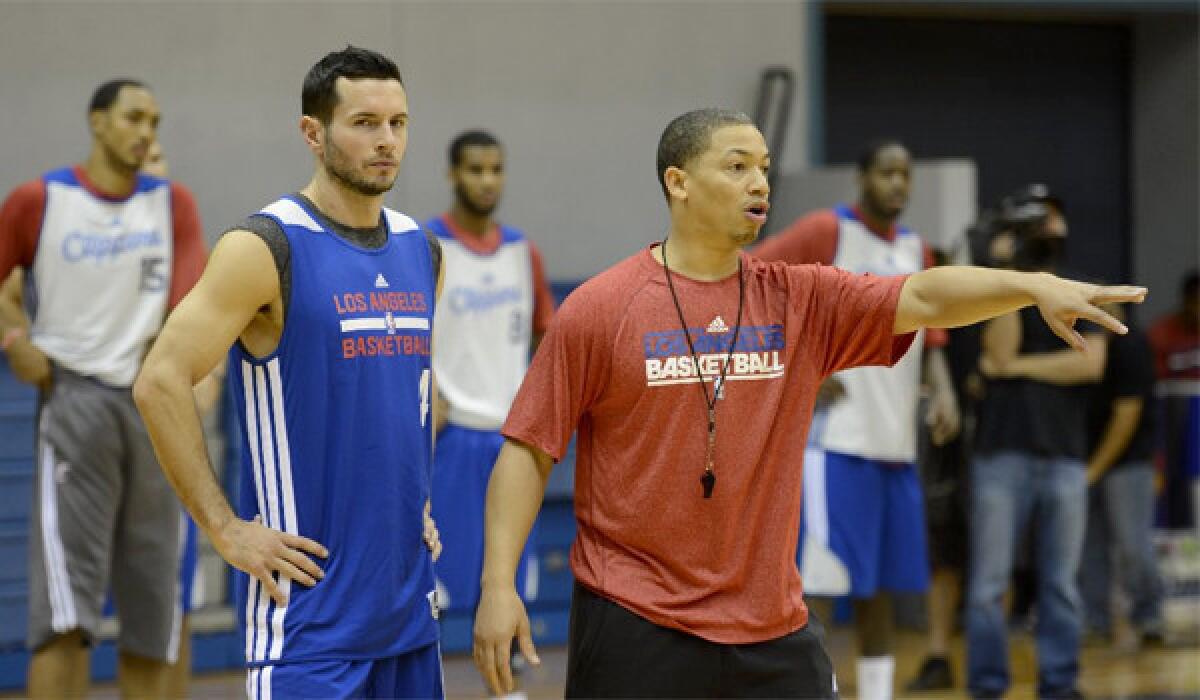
<point>106,94</point>
<point>319,94</point>
<point>689,135</point>
<point>870,153</point>
<point>474,137</point>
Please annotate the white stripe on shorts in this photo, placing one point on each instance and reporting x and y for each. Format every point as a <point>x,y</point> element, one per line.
<point>58,582</point>
<point>441,668</point>
<point>177,613</point>
<point>816,496</point>
<point>253,589</point>
<point>532,577</point>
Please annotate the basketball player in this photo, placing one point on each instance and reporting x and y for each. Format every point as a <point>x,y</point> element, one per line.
<point>865,504</point>
<point>690,371</point>
<point>1175,338</point>
<point>498,305</point>
<point>326,298</point>
<point>32,366</point>
<point>118,249</point>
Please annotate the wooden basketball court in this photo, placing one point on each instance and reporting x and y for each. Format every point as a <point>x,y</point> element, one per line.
<point>1116,673</point>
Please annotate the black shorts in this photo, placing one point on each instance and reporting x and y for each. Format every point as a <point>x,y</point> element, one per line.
<point>944,481</point>
<point>613,653</point>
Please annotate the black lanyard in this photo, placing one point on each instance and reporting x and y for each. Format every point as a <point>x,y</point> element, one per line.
<point>709,479</point>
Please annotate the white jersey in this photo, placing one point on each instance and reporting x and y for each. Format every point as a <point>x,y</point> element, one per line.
<point>482,327</point>
<point>101,276</point>
<point>877,418</point>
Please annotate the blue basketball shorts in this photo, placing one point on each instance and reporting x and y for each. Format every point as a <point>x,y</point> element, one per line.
<point>862,526</point>
<point>462,464</point>
<point>416,674</point>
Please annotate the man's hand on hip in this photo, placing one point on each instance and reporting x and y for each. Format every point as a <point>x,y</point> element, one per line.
<point>261,551</point>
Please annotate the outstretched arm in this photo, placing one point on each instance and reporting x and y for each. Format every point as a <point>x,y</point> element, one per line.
<point>192,343</point>
<point>515,493</point>
<point>952,296</point>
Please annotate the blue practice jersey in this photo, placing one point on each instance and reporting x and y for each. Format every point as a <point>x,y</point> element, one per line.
<point>336,444</point>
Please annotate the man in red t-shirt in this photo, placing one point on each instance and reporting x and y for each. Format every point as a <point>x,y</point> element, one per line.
<point>688,370</point>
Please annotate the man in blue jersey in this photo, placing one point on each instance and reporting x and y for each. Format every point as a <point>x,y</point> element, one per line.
<point>329,361</point>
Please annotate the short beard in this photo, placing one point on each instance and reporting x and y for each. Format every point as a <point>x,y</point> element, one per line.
<point>885,210</point>
<point>746,238</point>
<point>337,165</point>
<point>460,194</point>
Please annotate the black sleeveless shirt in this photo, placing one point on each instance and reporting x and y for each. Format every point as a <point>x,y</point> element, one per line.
<point>1031,417</point>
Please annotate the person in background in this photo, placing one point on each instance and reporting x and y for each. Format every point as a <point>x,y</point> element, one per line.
<point>1029,465</point>
<point>1175,338</point>
<point>498,305</point>
<point>864,508</point>
<point>1121,476</point>
<point>32,364</point>
<point>104,242</point>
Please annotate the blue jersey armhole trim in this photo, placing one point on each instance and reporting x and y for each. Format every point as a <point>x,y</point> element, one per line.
<point>510,234</point>
<point>237,346</point>
<point>438,228</point>
<point>62,176</point>
<point>303,207</point>
<point>148,183</point>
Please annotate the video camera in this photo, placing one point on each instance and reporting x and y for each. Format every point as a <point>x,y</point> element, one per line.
<point>1015,234</point>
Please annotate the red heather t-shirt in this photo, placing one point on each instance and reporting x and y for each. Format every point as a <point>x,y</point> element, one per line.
<point>615,365</point>
<point>813,238</point>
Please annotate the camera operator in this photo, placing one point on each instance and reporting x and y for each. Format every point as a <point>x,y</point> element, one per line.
<point>1029,462</point>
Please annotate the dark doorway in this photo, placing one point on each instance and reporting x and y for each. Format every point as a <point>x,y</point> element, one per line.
<point>1029,102</point>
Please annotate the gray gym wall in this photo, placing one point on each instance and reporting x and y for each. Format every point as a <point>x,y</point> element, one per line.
<point>577,91</point>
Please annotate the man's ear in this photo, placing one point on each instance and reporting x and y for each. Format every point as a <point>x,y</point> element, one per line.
<point>313,132</point>
<point>97,119</point>
<point>676,180</point>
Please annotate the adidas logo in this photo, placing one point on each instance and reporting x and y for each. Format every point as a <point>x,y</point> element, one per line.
<point>718,326</point>
<point>380,281</point>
